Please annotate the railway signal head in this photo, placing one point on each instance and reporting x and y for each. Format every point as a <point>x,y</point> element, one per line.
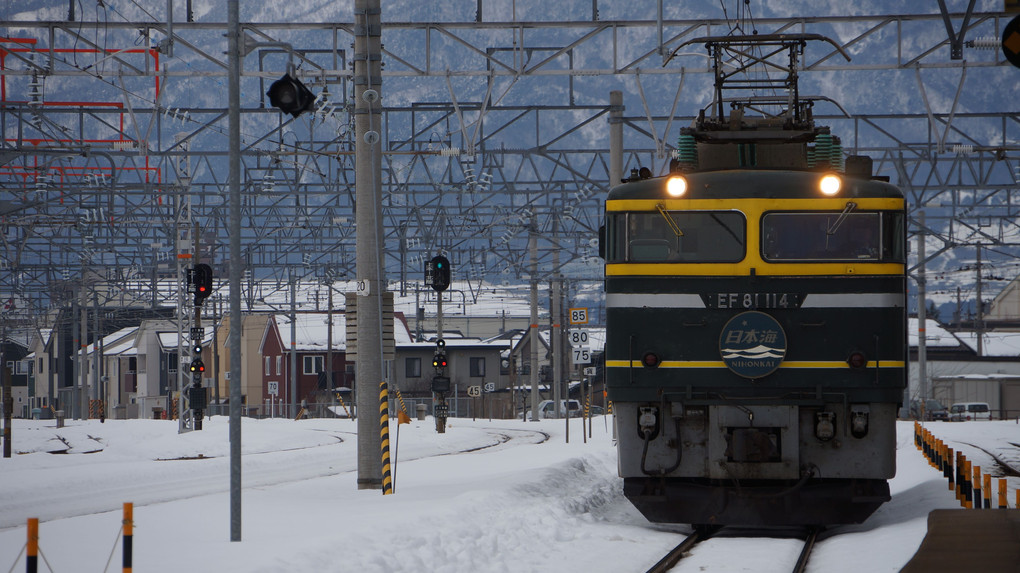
<point>202,280</point>
<point>291,96</point>
<point>439,360</point>
<point>439,273</point>
<point>197,365</point>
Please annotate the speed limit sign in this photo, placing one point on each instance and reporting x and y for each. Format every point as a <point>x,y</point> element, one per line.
<point>579,316</point>
<point>582,355</point>
<point>578,337</point>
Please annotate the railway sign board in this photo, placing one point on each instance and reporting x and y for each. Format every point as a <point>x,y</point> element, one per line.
<point>1011,41</point>
<point>474,391</point>
<point>578,337</point>
<point>579,316</point>
<point>490,387</point>
<point>274,388</point>
<point>581,355</point>
<point>590,370</point>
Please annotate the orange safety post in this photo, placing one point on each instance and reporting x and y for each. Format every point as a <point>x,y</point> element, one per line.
<point>976,480</point>
<point>949,469</point>
<point>32,556</point>
<point>968,486</point>
<point>1002,494</point>
<point>129,531</point>
<point>959,477</point>
<point>988,490</point>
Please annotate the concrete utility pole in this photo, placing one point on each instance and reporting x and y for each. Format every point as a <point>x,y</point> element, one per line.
<point>293,391</point>
<point>369,225</point>
<point>922,318</point>
<point>533,338</point>
<point>615,138</point>
<point>236,263</point>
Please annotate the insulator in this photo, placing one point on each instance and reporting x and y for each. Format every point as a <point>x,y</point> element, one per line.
<point>687,149</point>
<point>449,151</point>
<point>836,156</point>
<point>960,149</point>
<point>986,43</point>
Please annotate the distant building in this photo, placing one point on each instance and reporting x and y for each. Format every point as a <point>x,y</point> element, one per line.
<point>952,356</point>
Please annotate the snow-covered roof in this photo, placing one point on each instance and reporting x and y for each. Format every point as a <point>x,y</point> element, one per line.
<point>115,340</point>
<point>311,331</point>
<point>994,343</point>
<point>935,335</point>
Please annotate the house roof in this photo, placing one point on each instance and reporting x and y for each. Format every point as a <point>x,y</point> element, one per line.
<point>120,339</point>
<point>311,331</point>
<point>168,340</point>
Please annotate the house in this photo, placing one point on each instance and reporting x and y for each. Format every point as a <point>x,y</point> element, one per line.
<point>952,358</point>
<point>116,384</point>
<point>471,362</point>
<point>253,395</point>
<point>310,368</point>
<point>19,369</point>
<point>575,360</point>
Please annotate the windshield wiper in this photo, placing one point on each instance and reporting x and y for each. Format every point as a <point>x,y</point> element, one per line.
<point>669,220</point>
<point>850,206</point>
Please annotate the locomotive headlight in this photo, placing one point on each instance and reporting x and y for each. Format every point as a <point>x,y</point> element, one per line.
<point>650,359</point>
<point>829,185</point>
<point>676,186</point>
<point>825,426</point>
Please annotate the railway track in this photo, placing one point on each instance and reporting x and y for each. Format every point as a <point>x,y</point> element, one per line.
<point>700,534</point>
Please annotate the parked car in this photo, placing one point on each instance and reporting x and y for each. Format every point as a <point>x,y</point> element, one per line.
<point>964,411</point>
<point>545,409</point>
<point>933,410</point>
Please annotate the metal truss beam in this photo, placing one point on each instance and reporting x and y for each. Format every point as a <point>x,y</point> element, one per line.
<point>488,128</point>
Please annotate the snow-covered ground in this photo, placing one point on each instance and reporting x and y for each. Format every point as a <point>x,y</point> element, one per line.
<point>531,502</point>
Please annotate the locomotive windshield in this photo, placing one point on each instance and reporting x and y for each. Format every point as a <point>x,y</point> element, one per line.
<point>832,236</point>
<point>676,237</point>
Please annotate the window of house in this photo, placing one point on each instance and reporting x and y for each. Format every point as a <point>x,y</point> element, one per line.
<point>477,367</point>
<point>268,370</point>
<point>313,364</point>
<point>279,365</point>
<point>412,367</point>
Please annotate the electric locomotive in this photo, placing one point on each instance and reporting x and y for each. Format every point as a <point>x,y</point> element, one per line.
<point>756,325</point>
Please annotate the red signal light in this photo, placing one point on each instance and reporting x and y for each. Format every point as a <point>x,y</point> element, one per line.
<point>857,360</point>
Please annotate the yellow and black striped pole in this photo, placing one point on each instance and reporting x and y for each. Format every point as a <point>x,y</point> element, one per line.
<point>129,533</point>
<point>32,555</point>
<point>384,435</point>
<point>400,398</point>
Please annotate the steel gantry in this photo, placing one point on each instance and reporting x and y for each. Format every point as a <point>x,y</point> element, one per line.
<point>114,155</point>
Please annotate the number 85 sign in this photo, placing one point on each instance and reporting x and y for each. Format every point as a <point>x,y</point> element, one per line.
<point>579,316</point>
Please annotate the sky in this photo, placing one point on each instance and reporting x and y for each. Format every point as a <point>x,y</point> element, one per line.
<point>486,496</point>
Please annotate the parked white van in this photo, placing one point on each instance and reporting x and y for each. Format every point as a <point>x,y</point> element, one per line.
<point>963,411</point>
<point>546,409</point>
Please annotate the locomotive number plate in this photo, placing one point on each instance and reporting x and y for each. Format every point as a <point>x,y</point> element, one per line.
<point>749,300</point>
